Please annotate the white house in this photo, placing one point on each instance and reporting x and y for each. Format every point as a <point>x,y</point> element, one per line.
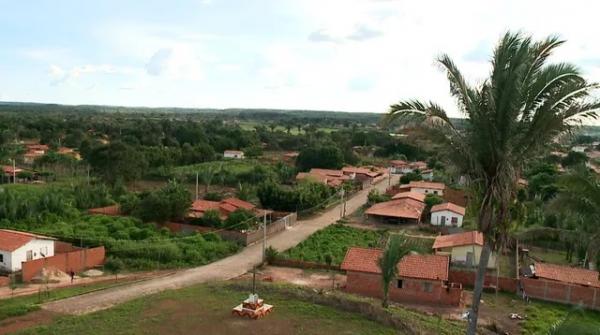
<point>425,187</point>
<point>579,148</point>
<point>236,154</point>
<point>447,214</point>
<point>427,174</point>
<point>17,247</point>
<point>464,249</point>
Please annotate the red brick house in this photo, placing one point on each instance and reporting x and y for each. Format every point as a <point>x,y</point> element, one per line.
<point>224,207</point>
<point>403,211</point>
<point>421,278</point>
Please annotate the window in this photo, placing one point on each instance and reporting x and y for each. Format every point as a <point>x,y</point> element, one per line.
<point>29,255</point>
<point>1,258</point>
<point>427,287</point>
<point>435,192</point>
<point>400,283</point>
<point>454,220</point>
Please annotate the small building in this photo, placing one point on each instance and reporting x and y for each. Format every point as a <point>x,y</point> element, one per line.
<point>578,148</point>
<point>566,274</point>
<point>464,249</point>
<point>9,173</point>
<point>224,207</point>
<point>17,247</point>
<point>333,178</point>
<point>400,211</point>
<point>399,167</point>
<point>427,174</point>
<point>69,152</point>
<point>421,279</point>
<point>425,187</point>
<point>235,154</point>
<point>447,214</point>
<point>365,175</point>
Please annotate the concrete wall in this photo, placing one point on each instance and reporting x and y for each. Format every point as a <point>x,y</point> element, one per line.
<point>36,247</point>
<point>436,218</point>
<point>413,290</point>
<point>75,260</point>
<point>458,255</point>
<point>562,292</point>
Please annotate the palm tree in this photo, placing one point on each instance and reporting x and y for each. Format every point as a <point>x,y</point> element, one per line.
<point>509,118</point>
<point>388,263</point>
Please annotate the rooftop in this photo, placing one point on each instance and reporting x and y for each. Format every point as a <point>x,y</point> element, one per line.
<point>432,267</point>
<point>411,195</point>
<point>457,240</point>
<point>11,240</point>
<point>448,206</point>
<point>398,208</point>
<point>427,184</point>
<point>567,274</point>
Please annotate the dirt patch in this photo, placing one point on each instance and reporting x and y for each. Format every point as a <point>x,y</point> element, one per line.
<point>36,318</point>
<point>309,278</point>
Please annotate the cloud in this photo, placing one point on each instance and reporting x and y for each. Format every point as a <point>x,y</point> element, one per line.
<point>60,75</point>
<point>322,36</point>
<point>363,33</point>
<point>178,62</point>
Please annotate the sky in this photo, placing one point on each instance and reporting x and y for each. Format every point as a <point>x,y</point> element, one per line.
<point>344,55</point>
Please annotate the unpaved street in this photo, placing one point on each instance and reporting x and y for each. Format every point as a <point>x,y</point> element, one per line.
<point>224,269</point>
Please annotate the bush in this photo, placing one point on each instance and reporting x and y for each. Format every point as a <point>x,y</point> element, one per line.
<point>114,266</point>
<point>213,196</point>
<point>271,254</point>
<point>375,197</point>
<point>412,176</point>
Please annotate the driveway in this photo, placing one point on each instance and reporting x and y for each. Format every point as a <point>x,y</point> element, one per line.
<point>224,269</point>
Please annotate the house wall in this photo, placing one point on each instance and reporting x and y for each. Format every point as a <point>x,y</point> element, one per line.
<point>12,260</point>
<point>230,155</point>
<point>427,191</point>
<point>75,260</point>
<point>369,284</point>
<point>562,292</point>
<point>458,255</point>
<point>436,218</point>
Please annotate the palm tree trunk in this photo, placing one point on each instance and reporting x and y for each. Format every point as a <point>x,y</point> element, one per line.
<point>478,289</point>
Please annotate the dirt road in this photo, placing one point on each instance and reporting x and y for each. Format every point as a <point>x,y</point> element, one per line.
<point>223,269</point>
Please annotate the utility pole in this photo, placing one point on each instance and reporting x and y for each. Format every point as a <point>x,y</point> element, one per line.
<point>14,171</point>
<point>196,185</point>
<point>342,204</point>
<point>264,258</point>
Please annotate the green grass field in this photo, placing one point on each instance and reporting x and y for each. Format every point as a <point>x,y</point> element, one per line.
<point>334,240</point>
<point>207,310</point>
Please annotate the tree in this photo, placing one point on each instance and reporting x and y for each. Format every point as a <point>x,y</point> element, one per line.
<point>114,266</point>
<point>580,195</point>
<point>240,219</point>
<point>327,157</point>
<point>574,158</point>
<point>388,263</point>
<point>168,203</point>
<point>117,161</point>
<point>509,119</point>
<point>411,176</point>
<point>212,218</point>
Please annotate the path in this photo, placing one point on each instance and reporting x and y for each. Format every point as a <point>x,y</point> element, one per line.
<point>224,269</point>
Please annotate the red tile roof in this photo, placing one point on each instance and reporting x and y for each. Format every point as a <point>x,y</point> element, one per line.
<point>432,267</point>
<point>11,240</point>
<point>399,208</point>
<point>448,206</point>
<point>204,205</point>
<point>360,170</point>
<point>567,274</point>
<point>9,170</point>
<point>398,163</point>
<point>457,240</point>
<point>427,184</point>
<point>113,210</point>
<point>410,195</point>
<point>312,177</point>
<point>327,172</point>
<point>225,207</point>
<point>418,165</point>
<point>239,203</point>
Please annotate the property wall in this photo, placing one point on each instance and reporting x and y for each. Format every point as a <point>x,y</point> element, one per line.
<point>562,292</point>
<point>458,255</point>
<point>37,247</point>
<point>436,218</point>
<point>4,281</point>
<point>369,284</point>
<point>75,260</point>
<point>467,279</point>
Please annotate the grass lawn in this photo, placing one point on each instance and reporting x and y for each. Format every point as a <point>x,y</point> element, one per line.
<point>206,309</point>
<point>334,240</point>
<point>24,304</point>
<point>539,315</point>
<point>549,255</point>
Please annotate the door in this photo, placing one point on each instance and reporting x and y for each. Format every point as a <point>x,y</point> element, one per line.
<point>443,220</point>
<point>29,255</point>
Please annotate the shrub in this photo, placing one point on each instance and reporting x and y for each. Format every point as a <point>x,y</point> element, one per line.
<point>271,254</point>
